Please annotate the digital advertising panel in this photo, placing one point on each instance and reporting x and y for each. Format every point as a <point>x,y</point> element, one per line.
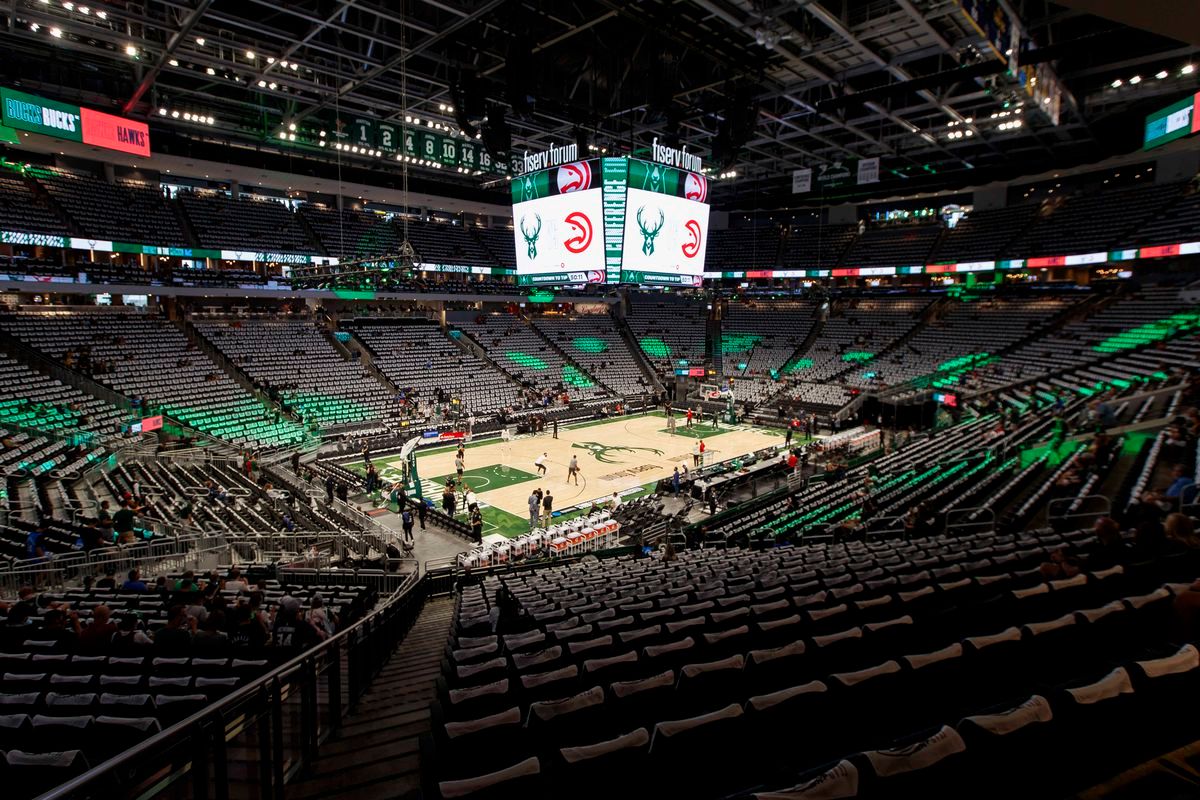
<point>665,239</point>
<point>611,220</point>
<point>29,112</point>
<point>558,221</point>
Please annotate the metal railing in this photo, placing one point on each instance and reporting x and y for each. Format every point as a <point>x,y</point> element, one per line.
<point>253,741</point>
<point>163,555</point>
<point>967,521</point>
<point>1078,512</point>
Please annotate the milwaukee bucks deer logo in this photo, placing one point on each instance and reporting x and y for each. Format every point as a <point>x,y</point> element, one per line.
<point>601,451</point>
<point>531,237</point>
<point>649,233</point>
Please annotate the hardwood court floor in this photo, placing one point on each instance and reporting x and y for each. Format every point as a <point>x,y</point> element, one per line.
<point>622,455</point>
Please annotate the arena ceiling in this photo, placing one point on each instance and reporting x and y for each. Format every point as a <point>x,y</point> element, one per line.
<point>759,88</point>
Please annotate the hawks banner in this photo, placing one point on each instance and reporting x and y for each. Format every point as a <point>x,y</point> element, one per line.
<point>559,228</point>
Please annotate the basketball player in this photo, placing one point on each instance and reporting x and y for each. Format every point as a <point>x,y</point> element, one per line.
<point>540,464</point>
<point>573,470</point>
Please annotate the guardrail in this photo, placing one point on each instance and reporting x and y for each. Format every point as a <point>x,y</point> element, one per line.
<point>175,554</point>
<point>252,741</point>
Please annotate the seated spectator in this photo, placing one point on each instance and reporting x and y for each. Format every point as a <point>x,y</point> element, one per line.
<point>128,639</point>
<point>1060,565</point>
<point>95,638</point>
<point>211,638</point>
<point>321,618</point>
<point>1181,530</point>
<point>235,583</point>
<point>175,638</point>
<point>187,583</point>
<point>61,627</point>
<point>1182,490</point>
<point>1110,549</point>
<point>135,582</point>
<point>291,630</point>
<point>109,581</point>
<point>248,630</point>
<point>16,629</point>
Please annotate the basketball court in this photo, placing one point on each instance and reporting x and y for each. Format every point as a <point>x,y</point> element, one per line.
<point>628,455</point>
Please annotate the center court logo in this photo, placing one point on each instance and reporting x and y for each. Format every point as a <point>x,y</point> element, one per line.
<point>601,451</point>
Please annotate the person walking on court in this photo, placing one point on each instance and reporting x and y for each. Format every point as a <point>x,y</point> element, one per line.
<point>688,424</point>
<point>555,424</point>
<point>459,463</point>
<point>573,470</point>
<point>548,506</point>
<point>701,448</point>
<point>696,454</point>
<point>535,507</point>
<point>540,463</point>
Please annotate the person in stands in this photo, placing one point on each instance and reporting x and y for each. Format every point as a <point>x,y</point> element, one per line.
<point>95,638</point>
<point>290,629</point>
<point>248,630</point>
<point>134,583</point>
<point>235,582</point>
<point>123,523</point>
<point>175,638</point>
<point>128,638</point>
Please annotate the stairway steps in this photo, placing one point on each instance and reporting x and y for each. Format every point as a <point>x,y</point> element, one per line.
<point>376,753</point>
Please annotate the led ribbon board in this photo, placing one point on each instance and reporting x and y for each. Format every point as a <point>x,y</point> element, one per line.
<point>1177,120</point>
<point>35,114</point>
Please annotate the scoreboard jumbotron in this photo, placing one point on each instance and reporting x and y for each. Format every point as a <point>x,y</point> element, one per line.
<point>610,220</point>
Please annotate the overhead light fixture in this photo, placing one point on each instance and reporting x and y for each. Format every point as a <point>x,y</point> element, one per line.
<point>69,6</point>
<point>261,84</point>
<point>102,14</point>
<point>174,115</point>
<point>1135,80</point>
<point>211,71</point>
<point>33,26</point>
<point>291,126</point>
<point>1188,69</point>
<point>1117,83</point>
<point>250,55</point>
<point>200,41</point>
<point>56,33</point>
<point>162,112</point>
<point>1161,74</point>
<point>270,59</point>
<point>295,66</point>
<point>272,85</point>
<point>174,62</point>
